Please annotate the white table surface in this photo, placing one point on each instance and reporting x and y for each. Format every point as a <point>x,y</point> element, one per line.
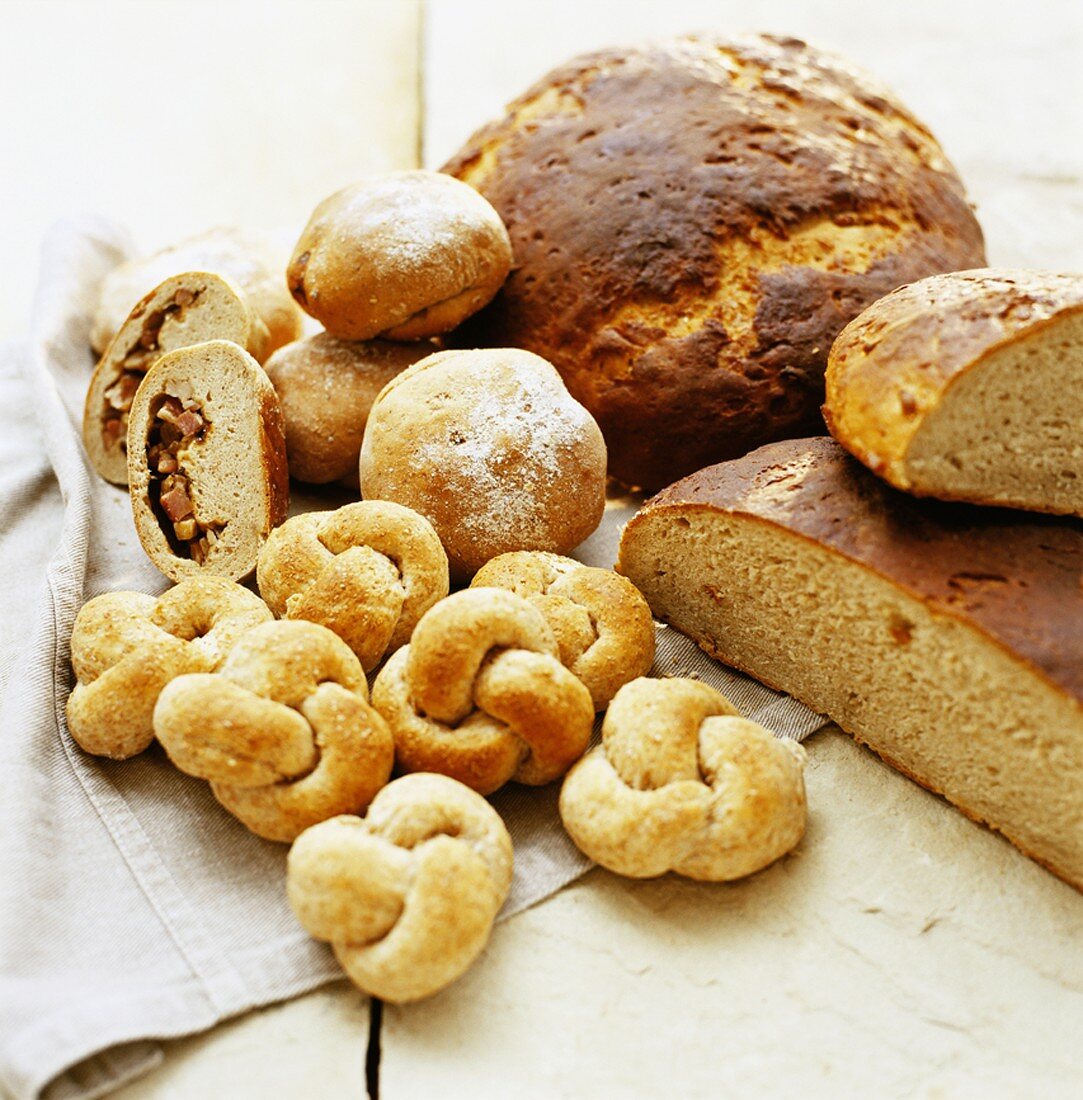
<point>903,951</point>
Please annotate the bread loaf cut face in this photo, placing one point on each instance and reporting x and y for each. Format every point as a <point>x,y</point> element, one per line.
<point>185,309</point>
<point>693,222</point>
<point>947,638</point>
<point>206,461</point>
<point>968,386</point>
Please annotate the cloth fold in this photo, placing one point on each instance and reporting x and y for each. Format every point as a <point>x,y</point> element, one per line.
<point>133,908</point>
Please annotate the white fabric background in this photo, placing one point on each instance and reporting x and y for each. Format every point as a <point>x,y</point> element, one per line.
<point>132,907</point>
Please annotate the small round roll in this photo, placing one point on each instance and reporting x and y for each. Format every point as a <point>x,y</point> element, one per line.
<point>326,387</point>
<point>492,450</point>
<point>404,256</point>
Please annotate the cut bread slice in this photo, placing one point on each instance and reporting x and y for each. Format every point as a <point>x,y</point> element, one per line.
<point>948,638</point>
<point>969,387</point>
<point>206,461</point>
<point>186,309</point>
<point>251,261</point>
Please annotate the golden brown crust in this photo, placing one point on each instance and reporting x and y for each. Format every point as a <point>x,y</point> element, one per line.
<point>407,896</point>
<point>1017,578</point>
<point>237,466</point>
<point>367,571</point>
<point>480,695</point>
<point>126,646</point>
<point>682,783</point>
<point>229,252</point>
<point>693,222</point>
<point>894,363</point>
<point>491,448</point>
<point>602,623</point>
<point>283,731</point>
<point>404,255</point>
<point>326,387</point>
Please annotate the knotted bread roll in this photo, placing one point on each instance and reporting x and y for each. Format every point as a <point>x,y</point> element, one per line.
<point>480,695</point>
<point>602,623</point>
<point>682,783</point>
<point>368,571</point>
<point>126,646</point>
<point>284,731</point>
<point>407,896</point>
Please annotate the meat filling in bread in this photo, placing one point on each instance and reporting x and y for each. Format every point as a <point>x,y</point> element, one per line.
<point>119,396</point>
<point>176,425</point>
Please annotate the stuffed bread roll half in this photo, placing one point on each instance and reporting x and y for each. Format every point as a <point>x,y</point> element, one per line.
<point>206,461</point>
<point>185,309</point>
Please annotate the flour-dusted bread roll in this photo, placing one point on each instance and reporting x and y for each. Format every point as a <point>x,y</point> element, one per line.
<point>947,638</point>
<point>206,461</point>
<point>326,387</point>
<point>239,256</point>
<point>405,256</point>
<point>492,450</point>
<point>693,223</point>
<point>968,386</point>
<point>185,309</point>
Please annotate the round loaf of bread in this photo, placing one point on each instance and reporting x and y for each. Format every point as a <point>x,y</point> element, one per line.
<point>693,223</point>
<point>406,256</point>
<point>491,448</point>
<point>239,256</point>
<point>326,387</point>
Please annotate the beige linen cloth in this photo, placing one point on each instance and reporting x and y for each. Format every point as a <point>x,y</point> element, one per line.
<point>132,907</point>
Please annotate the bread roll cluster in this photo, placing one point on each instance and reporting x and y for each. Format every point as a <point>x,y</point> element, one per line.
<point>686,294</point>
<point>489,446</point>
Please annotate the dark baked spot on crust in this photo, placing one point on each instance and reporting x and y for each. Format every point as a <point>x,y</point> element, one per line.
<point>295,277</point>
<point>682,175</point>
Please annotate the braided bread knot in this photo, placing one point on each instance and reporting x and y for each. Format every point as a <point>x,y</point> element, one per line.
<point>283,732</point>
<point>480,695</point>
<point>126,646</point>
<point>367,571</point>
<point>602,623</point>
<point>682,783</point>
<point>406,896</point>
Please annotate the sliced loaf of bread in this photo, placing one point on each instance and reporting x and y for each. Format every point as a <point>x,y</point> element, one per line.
<point>946,637</point>
<point>968,386</point>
